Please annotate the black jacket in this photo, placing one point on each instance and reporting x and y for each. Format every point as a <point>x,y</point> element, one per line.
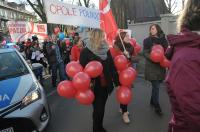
<point>52,53</point>
<point>109,69</point>
<point>153,71</point>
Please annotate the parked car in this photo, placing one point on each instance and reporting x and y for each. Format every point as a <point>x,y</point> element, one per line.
<point>23,103</point>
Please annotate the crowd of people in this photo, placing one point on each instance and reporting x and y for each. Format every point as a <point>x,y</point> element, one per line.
<point>53,54</point>
<point>182,78</point>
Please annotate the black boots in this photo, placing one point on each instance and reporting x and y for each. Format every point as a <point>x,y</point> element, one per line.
<point>100,130</point>
<point>157,108</point>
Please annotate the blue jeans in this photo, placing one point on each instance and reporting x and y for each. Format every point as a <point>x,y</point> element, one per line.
<point>38,74</point>
<point>155,93</point>
<point>62,74</point>
<point>134,65</point>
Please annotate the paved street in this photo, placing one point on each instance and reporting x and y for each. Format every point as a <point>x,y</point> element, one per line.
<point>69,116</point>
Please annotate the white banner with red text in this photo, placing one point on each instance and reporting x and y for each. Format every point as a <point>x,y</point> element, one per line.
<point>61,13</point>
<point>22,30</point>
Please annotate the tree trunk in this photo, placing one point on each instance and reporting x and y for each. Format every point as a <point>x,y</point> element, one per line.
<point>183,4</point>
<point>119,9</point>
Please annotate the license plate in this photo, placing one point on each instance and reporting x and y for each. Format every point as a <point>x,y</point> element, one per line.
<point>10,129</point>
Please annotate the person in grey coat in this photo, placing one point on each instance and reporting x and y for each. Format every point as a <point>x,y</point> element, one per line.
<point>153,71</point>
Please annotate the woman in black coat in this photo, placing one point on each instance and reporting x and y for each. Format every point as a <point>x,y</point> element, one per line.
<point>97,49</point>
<point>153,71</point>
<point>118,46</point>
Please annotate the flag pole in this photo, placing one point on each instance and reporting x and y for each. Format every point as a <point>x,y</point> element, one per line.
<point>125,51</point>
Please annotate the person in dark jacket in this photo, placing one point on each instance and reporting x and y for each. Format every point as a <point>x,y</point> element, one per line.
<point>153,71</point>
<point>56,62</point>
<point>183,79</point>
<point>97,49</point>
<point>118,49</point>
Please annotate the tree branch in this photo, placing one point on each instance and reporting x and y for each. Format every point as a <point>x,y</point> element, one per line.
<point>88,3</point>
<point>174,8</point>
<point>41,7</point>
<point>32,5</point>
<point>80,2</point>
<point>85,2</point>
<point>39,13</point>
<point>174,3</point>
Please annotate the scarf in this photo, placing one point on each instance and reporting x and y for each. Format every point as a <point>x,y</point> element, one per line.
<point>101,51</point>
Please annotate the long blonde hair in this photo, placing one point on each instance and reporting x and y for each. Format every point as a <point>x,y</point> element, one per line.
<point>96,37</point>
<point>190,17</point>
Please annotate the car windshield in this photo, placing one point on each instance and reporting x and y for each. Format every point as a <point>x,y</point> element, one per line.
<point>11,66</point>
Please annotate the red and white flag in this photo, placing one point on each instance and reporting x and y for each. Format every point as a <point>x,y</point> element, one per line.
<point>107,21</point>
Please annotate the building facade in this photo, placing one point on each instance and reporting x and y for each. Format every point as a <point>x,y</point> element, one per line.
<point>13,11</point>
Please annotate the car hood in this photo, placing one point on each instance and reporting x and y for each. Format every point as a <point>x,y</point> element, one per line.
<point>14,90</point>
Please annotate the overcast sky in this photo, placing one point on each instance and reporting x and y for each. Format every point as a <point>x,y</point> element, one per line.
<point>178,8</point>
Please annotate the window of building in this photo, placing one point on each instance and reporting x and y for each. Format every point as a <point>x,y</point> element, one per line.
<point>3,13</point>
<point>6,14</point>
<point>2,24</point>
<point>15,16</point>
<point>11,14</point>
<point>18,15</point>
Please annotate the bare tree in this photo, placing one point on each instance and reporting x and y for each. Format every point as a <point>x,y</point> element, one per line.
<point>86,3</point>
<point>38,8</point>
<point>183,4</point>
<point>171,5</point>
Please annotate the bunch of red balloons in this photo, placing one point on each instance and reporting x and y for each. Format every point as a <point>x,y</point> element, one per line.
<point>127,75</point>
<point>136,46</point>
<point>157,56</point>
<point>79,87</point>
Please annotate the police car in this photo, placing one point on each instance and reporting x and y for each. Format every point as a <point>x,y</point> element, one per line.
<point>23,103</point>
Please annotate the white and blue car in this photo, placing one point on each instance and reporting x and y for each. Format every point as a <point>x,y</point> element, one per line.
<point>23,103</point>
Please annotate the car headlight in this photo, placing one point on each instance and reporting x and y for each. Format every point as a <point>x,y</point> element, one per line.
<point>30,98</point>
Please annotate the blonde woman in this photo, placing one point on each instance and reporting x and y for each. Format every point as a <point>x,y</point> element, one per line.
<point>97,49</point>
<point>184,74</point>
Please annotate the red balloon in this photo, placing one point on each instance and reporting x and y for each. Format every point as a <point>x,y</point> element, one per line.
<point>156,56</point>
<point>67,42</point>
<point>127,76</point>
<point>133,42</point>
<point>121,62</point>
<point>165,63</point>
<point>137,48</point>
<point>73,68</point>
<point>81,81</point>
<point>158,47</point>
<point>56,30</point>
<point>94,69</point>
<point>66,89</point>
<point>85,98</point>
<point>124,95</point>
<point>133,70</point>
